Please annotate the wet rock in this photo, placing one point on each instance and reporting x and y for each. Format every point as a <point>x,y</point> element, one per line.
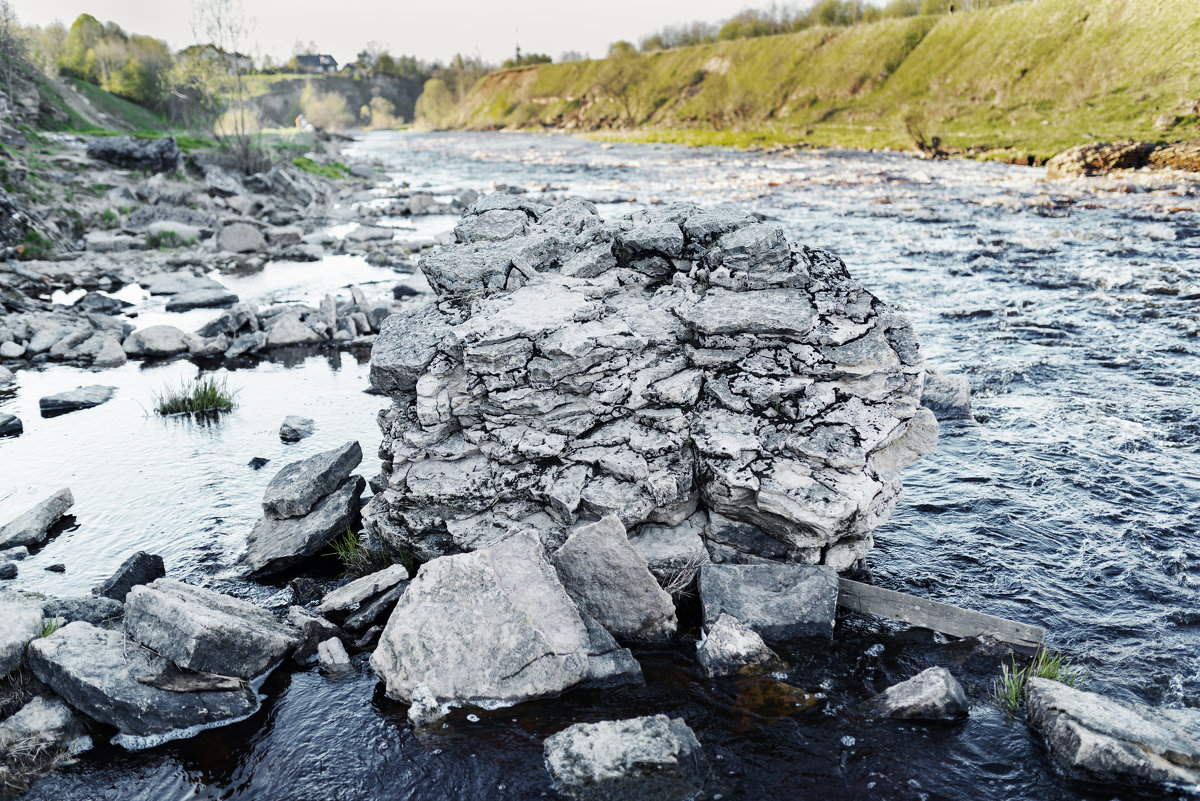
<point>313,629</point>
<point>288,329</point>
<point>95,609</point>
<point>15,554</point>
<point>1101,157</point>
<point>778,601</point>
<point>348,597</point>
<point>46,721</point>
<point>10,425</point>
<point>298,487</point>
<point>96,671</point>
<point>101,304</point>
<point>611,582</point>
<point>6,376</point>
<point>375,609</point>
<point>653,758</point>
<point>246,343</point>
<point>332,656</point>
<point>947,396</point>
<point>241,238</point>
<point>237,319</point>
<point>141,568</point>
<point>180,283</point>
<point>276,544</point>
<point>202,299</point>
<point>367,233</point>
<point>78,398</point>
<point>296,428</point>
<point>932,694</point>
<point>730,647</point>
<point>258,462</point>
<point>31,527</point>
<point>20,621</point>
<point>205,631</point>
<point>156,341</point>
<point>1100,739</point>
<point>494,627</point>
<point>109,354</point>
<point>57,567</point>
<point>8,570</point>
<point>132,153</point>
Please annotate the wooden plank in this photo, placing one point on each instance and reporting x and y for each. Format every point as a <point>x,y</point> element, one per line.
<point>947,619</point>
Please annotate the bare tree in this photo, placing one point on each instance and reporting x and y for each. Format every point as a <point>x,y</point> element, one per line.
<point>12,46</point>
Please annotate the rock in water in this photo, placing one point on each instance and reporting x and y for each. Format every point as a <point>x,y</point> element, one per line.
<point>31,527</point>
<point>348,597</point>
<point>20,620</point>
<point>948,396</point>
<point>45,720</point>
<point>79,398</point>
<point>673,360</point>
<point>10,425</point>
<point>730,647</point>
<point>780,602</point>
<point>297,488</point>
<point>932,694</point>
<point>96,671</point>
<point>653,758</point>
<point>141,568</point>
<point>296,428</point>
<point>332,655</point>
<point>611,582</point>
<point>275,545</point>
<point>495,627</point>
<point>206,631</point>
<point>1100,739</point>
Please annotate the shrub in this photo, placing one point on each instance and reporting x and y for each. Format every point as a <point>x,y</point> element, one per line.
<point>204,394</point>
<point>108,220</point>
<point>163,240</point>
<point>325,110</point>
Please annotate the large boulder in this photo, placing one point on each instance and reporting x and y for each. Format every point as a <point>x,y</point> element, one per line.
<point>676,360</point>
<point>276,544</point>
<point>297,488</point>
<point>494,627</point>
<point>780,602</point>
<point>206,631</point>
<point>1100,739</point>
<point>156,341</point>
<point>141,568</point>
<point>654,758</point>
<point>932,694</point>
<point>133,153</point>
<point>241,238</point>
<point>31,526</point>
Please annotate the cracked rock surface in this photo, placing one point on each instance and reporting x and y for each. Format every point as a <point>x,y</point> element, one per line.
<point>675,362</point>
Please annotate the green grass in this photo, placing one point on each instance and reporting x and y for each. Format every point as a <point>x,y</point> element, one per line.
<point>361,560</point>
<point>203,395</point>
<point>34,246</point>
<point>166,240</point>
<point>133,115</point>
<point>335,169</point>
<point>49,626</point>
<point>1009,690</point>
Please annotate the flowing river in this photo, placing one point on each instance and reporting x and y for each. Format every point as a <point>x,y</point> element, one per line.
<point>1070,502</point>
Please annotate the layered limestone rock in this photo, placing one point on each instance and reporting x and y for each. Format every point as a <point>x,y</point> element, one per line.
<point>677,367</point>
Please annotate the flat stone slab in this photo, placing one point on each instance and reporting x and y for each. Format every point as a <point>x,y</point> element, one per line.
<point>653,758</point>
<point>202,299</point>
<point>780,602</point>
<point>30,527</point>
<point>206,631</point>
<point>179,284</point>
<point>79,398</point>
<point>275,545</point>
<point>932,694</point>
<point>96,671</point>
<point>1101,739</point>
<point>349,596</point>
<point>297,488</point>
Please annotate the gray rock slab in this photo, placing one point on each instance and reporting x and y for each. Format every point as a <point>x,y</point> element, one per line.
<point>156,341</point>
<point>611,582</point>
<point>652,758</point>
<point>782,312</point>
<point>20,621</point>
<point>241,238</point>
<point>30,527</point>
<point>1101,739</point>
<point>78,398</point>
<point>206,631</point>
<point>288,329</point>
<point>94,609</point>
<point>141,568</point>
<point>494,627</point>
<point>202,299</point>
<point>406,346</point>
<point>297,488</point>
<point>10,425</point>
<point>932,694</point>
<point>178,283</point>
<point>375,608</point>
<point>277,544</point>
<point>46,720</point>
<point>731,648</point>
<point>132,153</point>
<point>97,670</point>
<point>296,428</point>
<point>332,656</point>
<point>780,602</point>
<point>347,597</point>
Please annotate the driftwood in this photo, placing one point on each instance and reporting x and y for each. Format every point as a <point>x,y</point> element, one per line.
<point>945,618</point>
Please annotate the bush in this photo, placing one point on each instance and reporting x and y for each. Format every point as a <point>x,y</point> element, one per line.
<point>164,240</point>
<point>325,110</point>
<point>202,395</point>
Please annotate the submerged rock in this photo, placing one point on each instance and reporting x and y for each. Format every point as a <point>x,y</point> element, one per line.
<point>332,655</point>
<point>1100,739</point>
<point>31,527</point>
<point>494,627</point>
<point>97,671</point>
<point>932,694</point>
<point>296,428</point>
<point>947,396</point>
<point>79,398</point>
<point>10,425</point>
<point>730,647</point>
<point>780,602</point>
<point>653,758</point>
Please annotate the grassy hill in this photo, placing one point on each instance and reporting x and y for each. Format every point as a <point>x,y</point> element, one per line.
<point>1030,78</point>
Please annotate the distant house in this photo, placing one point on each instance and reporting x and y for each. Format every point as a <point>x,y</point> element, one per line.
<point>316,63</point>
<point>238,61</point>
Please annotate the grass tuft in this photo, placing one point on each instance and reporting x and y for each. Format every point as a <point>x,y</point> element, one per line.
<point>204,394</point>
<point>166,240</point>
<point>332,170</point>
<point>360,559</point>
<point>1009,690</point>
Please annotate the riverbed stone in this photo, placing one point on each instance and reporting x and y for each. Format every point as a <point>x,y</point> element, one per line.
<point>611,582</point>
<point>241,238</point>
<point>349,596</point>
<point>30,527</point>
<point>495,627</point>
<point>276,544</point>
<point>12,350</point>
<point>332,656</point>
<point>932,694</point>
<point>75,399</point>
<point>95,609</point>
<point>44,720</point>
<point>140,568</point>
<point>101,672</point>
<point>654,758</point>
<point>202,299</point>
<point>947,395</point>
<point>1100,739</point>
<point>206,631</point>
<point>730,647</point>
<point>298,487</point>
<point>781,602</point>
<point>10,425</point>
<point>20,621</point>
<point>296,428</point>
<point>156,341</point>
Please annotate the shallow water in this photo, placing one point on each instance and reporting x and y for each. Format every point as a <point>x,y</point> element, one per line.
<point>1071,504</point>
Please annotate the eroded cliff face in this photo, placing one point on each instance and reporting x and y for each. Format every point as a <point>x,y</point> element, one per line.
<point>688,370</point>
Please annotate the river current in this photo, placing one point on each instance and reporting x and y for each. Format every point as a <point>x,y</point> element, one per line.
<point>1070,502</point>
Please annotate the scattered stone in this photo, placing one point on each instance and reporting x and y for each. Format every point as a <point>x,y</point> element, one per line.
<point>284,235</point>
<point>781,602</point>
<point>932,694</point>
<point>289,329</point>
<point>95,670</point>
<point>297,488</point>
<point>31,527</point>
<point>424,709</point>
<point>258,462</point>
<point>110,354</point>
<point>1100,739</point>
<point>332,655</point>
<point>12,350</point>
<point>730,648</point>
<point>947,396</point>
<point>156,341</point>
<point>296,428</point>
<point>277,544</point>
<point>95,609</point>
<point>241,238</point>
<point>180,283</point>
<point>141,568</point>
<point>313,629</point>
<point>10,425</point>
<point>494,627</point>
<point>202,630</point>
<point>611,582</point>
<point>367,233</point>
<point>72,400</point>
<point>45,720</point>
<point>20,620</point>
<point>202,299</point>
<point>652,758</point>
<point>375,609</point>
<point>348,597</point>
<point>132,153</point>
<point>58,567</point>
<point>101,304</point>
<point>15,554</point>
<point>8,570</point>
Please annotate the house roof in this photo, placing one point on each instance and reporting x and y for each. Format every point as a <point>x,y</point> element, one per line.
<point>317,61</point>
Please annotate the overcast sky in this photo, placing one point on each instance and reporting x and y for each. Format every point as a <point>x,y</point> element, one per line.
<point>430,29</point>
